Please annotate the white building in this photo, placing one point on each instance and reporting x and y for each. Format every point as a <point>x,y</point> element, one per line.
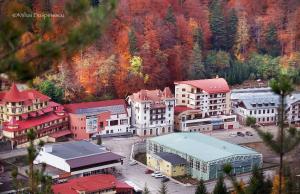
<point>262,104</point>
<point>152,112</point>
<point>75,159</point>
<point>203,105</point>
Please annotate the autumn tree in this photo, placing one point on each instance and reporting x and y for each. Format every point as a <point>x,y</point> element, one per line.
<point>242,37</point>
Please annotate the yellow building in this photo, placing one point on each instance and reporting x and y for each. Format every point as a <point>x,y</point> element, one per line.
<point>168,164</point>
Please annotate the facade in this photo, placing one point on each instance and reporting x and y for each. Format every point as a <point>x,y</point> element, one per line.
<point>262,104</point>
<point>203,105</point>
<point>169,164</point>
<point>22,110</point>
<point>207,160</point>
<point>101,183</point>
<point>105,118</point>
<point>76,159</point>
<point>152,112</point>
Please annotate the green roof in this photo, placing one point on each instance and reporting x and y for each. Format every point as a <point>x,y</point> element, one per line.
<point>201,146</point>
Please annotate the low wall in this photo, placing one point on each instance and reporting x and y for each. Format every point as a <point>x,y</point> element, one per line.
<point>139,147</point>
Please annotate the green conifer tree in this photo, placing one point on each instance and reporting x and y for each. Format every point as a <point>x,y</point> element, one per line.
<point>220,187</point>
<point>201,189</point>
<point>231,28</point>
<point>218,25</point>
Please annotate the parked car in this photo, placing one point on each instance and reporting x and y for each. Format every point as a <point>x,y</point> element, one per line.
<point>155,173</point>
<point>240,134</point>
<point>165,179</point>
<point>232,134</point>
<point>159,176</point>
<point>148,171</point>
<point>248,133</point>
<point>132,163</point>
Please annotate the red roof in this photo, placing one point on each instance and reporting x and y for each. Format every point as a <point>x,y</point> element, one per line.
<point>91,183</point>
<point>180,109</point>
<point>32,122</point>
<point>60,133</point>
<point>211,86</point>
<point>14,95</point>
<point>72,108</point>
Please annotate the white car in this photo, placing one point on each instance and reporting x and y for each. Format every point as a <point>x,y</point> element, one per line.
<point>232,134</point>
<point>159,176</point>
<point>132,163</point>
<point>155,173</point>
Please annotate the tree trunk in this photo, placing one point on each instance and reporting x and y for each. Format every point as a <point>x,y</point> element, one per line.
<point>281,144</point>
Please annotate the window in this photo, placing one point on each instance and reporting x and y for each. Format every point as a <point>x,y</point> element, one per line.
<point>101,124</point>
<point>197,165</point>
<point>183,89</point>
<point>150,131</point>
<point>114,122</point>
<point>183,95</point>
<point>272,110</point>
<point>191,163</point>
<point>250,112</point>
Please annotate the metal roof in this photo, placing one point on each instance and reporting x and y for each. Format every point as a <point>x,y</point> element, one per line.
<point>172,158</point>
<point>114,109</point>
<point>201,146</point>
<point>76,149</point>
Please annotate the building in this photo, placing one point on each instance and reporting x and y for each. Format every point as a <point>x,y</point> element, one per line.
<point>262,104</point>
<point>152,112</point>
<point>76,159</point>
<point>203,105</point>
<point>204,154</point>
<point>169,164</point>
<point>22,110</point>
<point>105,118</point>
<point>100,183</point>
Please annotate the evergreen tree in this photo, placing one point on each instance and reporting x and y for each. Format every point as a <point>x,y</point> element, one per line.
<point>50,89</point>
<point>287,138</point>
<point>170,17</point>
<point>198,37</point>
<point>272,44</point>
<point>163,188</point>
<point>197,67</point>
<point>220,187</point>
<point>201,189</point>
<point>99,140</point>
<point>231,28</point>
<point>146,190</point>
<point>133,48</point>
<point>218,25</point>
<point>257,184</point>
<point>38,182</point>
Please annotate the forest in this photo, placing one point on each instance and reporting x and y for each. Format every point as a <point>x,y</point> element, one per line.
<point>151,44</point>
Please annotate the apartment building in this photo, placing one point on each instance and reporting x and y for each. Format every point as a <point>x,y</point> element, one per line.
<point>23,110</point>
<point>203,105</point>
<point>152,112</point>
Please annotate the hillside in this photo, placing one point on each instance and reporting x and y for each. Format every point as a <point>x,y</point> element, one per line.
<point>149,44</point>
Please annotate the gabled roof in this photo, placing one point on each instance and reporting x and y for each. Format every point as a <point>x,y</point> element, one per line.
<point>152,95</point>
<point>14,95</point>
<point>203,147</point>
<point>211,86</point>
<point>91,183</point>
<point>117,106</point>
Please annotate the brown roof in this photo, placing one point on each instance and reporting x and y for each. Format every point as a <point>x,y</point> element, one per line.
<point>152,95</point>
<point>211,86</point>
<point>93,159</point>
